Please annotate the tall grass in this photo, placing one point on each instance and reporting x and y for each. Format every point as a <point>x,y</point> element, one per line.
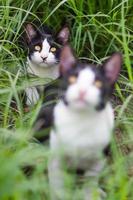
<point>98,28</point>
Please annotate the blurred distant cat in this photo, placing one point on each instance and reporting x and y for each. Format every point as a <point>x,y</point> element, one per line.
<point>43,56</point>
<point>82,120</point>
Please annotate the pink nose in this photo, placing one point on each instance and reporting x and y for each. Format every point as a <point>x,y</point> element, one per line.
<point>82,94</point>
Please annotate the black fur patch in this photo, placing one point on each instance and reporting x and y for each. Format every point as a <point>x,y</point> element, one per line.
<point>44,123</point>
<point>51,91</point>
<point>107,151</point>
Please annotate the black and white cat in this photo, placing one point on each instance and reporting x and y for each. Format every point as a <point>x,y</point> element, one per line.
<point>43,56</point>
<point>83,121</point>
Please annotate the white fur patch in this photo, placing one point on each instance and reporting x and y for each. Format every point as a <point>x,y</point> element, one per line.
<point>83,133</point>
<point>84,83</point>
<point>32,96</point>
<point>51,72</point>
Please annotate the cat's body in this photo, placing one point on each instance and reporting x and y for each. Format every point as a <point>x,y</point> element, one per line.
<point>82,121</point>
<point>78,145</point>
<point>73,131</point>
<point>43,56</point>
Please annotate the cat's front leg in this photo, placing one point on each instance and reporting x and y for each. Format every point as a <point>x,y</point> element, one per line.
<point>55,169</point>
<point>56,179</point>
<point>92,188</point>
<point>32,96</point>
<point>93,191</point>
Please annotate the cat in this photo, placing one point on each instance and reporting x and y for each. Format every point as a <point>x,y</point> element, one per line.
<point>82,121</point>
<point>43,56</point>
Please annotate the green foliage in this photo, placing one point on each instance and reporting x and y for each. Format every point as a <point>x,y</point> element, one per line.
<point>98,28</point>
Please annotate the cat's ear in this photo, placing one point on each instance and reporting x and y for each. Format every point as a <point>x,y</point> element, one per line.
<point>112,67</point>
<point>63,35</point>
<point>67,60</point>
<point>31,32</point>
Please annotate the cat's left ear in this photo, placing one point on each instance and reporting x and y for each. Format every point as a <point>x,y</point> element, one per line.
<point>63,35</point>
<point>31,32</point>
<point>67,60</point>
<point>112,67</point>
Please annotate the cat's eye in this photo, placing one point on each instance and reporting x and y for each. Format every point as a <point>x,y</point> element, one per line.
<point>98,83</point>
<point>72,79</point>
<point>37,48</point>
<point>53,49</point>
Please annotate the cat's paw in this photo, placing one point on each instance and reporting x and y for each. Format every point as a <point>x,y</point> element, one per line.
<point>97,194</point>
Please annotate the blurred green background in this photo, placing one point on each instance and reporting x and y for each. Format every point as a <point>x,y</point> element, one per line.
<point>98,28</point>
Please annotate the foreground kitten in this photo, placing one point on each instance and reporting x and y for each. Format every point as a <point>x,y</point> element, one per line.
<point>43,57</point>
<point>83,121</point>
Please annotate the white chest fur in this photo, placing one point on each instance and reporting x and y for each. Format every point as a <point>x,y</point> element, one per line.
<point>51,72</point>
<point>82,134</point>
<point>43,72</point>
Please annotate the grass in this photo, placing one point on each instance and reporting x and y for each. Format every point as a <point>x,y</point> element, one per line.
<point>98,28</point>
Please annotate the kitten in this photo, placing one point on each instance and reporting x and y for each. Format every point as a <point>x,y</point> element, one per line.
<point>43,56</point>
<point>83,121</point>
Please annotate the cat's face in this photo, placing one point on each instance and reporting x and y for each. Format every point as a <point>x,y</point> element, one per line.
<point>86,86</point>
<point>44,50</point>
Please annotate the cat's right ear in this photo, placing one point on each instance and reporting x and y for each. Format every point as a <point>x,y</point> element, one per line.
<point>112,67</point>
<point>67,60</point>
<point>31,32</point>
<point>63,35</point>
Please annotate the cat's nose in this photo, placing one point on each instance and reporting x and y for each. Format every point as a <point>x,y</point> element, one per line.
<point>43,58</point>
<point>82,94</point>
